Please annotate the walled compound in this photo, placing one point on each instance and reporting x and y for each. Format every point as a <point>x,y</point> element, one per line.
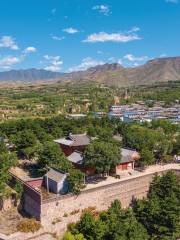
<point>56,211</point>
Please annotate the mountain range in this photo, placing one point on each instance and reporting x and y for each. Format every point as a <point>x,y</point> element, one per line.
<point>28,75</point>
<point>156,70</point>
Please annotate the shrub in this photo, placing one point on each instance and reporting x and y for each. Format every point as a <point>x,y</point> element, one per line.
<point>74,212</point>
<point>89,209</point>
<point>28,225</point>
<point>56,220</point>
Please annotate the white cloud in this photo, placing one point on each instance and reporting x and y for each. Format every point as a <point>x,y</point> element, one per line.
<point>132,58</point>
<point>112,37</point>
<point>8,42</point>
<point>119,61</point>
<point>53,11</point>
<point>85,64</point>
<point>52,68</point>
<point>135,29</point>
<point>8,61</point>
<point>163,55</point>
<point>100,52</point>
<point>172,1</point>
<point>135,64</point>
<point>112,59</point>
<point>30,50</point>
<point>70,30</point>
<point>104,9</point>
<point>53,63</point>
<point>54,37</point>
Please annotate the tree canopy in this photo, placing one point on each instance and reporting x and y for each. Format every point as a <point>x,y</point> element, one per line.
<point>102,155</point>
<point>154,218</point>
<point>50,155</point>
<point>160,213</point>
<point>7,160</point>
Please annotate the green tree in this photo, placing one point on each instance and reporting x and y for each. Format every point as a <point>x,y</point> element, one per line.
<point>113,224</point>
<point>160,213</point>
<point>70,236</point>
<point>122,224</point>
<point>25,141</point>
<point>90,228</point>
<point>3,147</point>
<point>176,145</point>
<point>6,161</point>
<point>50,155</point>
<point>19,189</point>
<point>104,156</point>
<point>147,157</point>
<point>75,180</point>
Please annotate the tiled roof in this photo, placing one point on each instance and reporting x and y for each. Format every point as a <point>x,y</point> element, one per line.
<point>64,141</point>
<point>79,139</point>
<point>74,140</point>
<point>75,157</point>
<point>128,155</point>
<point>55,175</point>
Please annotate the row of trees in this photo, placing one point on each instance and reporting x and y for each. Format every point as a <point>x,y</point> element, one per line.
<point>26,134</point>
<point>157,141</point>
<point>160,137</point>
<point>156,217</point>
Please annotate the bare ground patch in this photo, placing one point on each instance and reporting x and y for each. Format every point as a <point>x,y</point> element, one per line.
<point>9,221</point>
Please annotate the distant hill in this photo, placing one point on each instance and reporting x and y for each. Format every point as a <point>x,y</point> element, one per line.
<point>28,75</point>
<point>154,71</point>
<point>157,70</point>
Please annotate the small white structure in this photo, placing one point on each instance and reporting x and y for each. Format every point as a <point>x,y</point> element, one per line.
<point>56,181</point>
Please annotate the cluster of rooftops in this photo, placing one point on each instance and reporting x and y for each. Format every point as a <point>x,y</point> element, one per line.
<point>139,111</point>
<point>73,147</point>
<point>74,144</point>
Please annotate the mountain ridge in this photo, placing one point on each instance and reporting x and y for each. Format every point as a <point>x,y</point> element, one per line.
<point>31,74</point>
<point>155,70</point>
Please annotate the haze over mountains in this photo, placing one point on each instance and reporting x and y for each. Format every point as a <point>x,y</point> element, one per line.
<point>156,70</point>
<point>31,74</point>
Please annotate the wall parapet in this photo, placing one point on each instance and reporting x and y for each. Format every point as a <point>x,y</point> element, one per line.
<point>95,189</point>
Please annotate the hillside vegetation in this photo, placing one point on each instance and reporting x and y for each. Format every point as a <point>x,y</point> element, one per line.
<point>47,100</point>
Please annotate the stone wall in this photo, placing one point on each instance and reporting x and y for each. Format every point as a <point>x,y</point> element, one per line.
<point>62,209</point>
<point>59,211</point>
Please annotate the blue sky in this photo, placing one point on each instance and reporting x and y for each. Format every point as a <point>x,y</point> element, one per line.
<point>71,35</point>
